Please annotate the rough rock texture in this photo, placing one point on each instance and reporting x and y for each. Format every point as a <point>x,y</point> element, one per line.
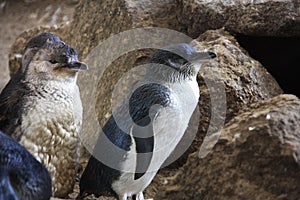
<point>228,83</point>
<point>116,16</point>
<point>261,18</point>
<point>245,80</point>
<point>192,17</point>
<point>256,157</point>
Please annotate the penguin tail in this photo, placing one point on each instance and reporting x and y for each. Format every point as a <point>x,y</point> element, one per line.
<point>88,180</point>
<point>96,179</point>
<point>7,191</point>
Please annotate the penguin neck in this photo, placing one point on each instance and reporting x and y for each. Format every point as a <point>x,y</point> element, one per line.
<point>47,89</point>
<point>167,74</point>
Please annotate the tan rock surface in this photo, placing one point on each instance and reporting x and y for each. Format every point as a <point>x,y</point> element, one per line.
<point>256,157</point>
<point>261,18</point>
<point>229,83</point>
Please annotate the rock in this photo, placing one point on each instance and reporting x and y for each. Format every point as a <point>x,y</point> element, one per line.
<point>265,17</point>
<point>117,16</point>
<point>259,18</point>
<point>229,83</point>
<point>245,80</point>
<point>257,154</point>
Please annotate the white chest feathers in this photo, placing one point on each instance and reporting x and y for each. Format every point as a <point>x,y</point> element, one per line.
<point>169,127</point>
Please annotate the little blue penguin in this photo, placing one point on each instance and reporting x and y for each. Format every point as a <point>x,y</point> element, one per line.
<point>21,175</point>
<point>142,133</point>
<point>40,107</point>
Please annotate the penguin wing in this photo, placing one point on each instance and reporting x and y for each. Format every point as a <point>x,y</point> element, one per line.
<point>11,106</point>
<point>144,148</point>
<point>104,168</point>
<point>8,158</point>
<point>144,106</point>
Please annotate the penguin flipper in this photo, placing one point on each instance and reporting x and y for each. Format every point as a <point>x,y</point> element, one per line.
<point>103,168</point>
<point>11,106</point>
<point>144,148</point>
<point>6,190</point>
<point>144,106</point>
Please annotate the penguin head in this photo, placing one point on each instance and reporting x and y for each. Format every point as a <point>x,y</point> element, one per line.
<point>183,60</point>
<point>46,57</point>
<point>34,44</point>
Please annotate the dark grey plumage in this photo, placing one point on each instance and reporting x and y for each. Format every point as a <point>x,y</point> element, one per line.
<point>21,175</point>
<point>125,159</point>
<point>41,108</point>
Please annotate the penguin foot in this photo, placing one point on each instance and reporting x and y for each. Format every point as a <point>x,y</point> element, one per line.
<point>123,197</point>
<point>139,196</point>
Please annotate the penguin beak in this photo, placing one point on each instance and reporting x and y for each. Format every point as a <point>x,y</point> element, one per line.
<point>77,66</point>
<point>203,56</point>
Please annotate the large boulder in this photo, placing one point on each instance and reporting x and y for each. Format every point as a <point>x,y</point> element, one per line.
<point>248,17</point>
<point>257,157</point>
<point>116,16</point>
<point>227,84</point>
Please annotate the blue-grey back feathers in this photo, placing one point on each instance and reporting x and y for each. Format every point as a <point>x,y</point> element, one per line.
<point>21,175</point>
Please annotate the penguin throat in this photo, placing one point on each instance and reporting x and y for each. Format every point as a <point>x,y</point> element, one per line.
<point>170,74</point>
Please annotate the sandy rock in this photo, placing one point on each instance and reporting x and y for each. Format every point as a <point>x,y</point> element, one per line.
<point>245,79</point>
<point>260,18</point>
<point>227,84</point>
<point>116,16</point>
<point>256,157</point>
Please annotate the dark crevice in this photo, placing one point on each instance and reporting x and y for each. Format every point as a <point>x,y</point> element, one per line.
<point>280,56</point>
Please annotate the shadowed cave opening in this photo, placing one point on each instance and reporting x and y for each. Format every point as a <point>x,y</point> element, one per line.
<point>280,56</point>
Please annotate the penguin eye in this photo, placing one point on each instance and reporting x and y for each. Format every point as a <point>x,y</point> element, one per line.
<point>52,61</point>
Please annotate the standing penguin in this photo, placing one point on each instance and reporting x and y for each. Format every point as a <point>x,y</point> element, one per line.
<point>21,175</point>
<point>41,108</point>
<point>142,133</point>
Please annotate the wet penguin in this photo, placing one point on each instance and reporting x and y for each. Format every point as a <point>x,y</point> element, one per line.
<point>142,133</point>
<point>21,175</point>
<point>40,107</point>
